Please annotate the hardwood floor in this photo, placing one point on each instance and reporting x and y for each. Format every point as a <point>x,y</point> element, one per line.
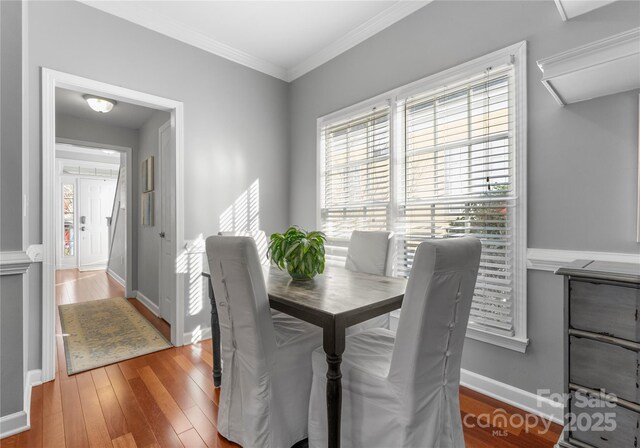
<point>167,399</point>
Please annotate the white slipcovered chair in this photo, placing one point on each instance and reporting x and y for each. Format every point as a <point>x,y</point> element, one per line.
<point>266,380</point>
<point>260,237</point>
<point>370,252</point>
<point>402,390</point>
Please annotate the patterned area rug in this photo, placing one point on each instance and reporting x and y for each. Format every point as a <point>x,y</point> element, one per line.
<point>102,332</point>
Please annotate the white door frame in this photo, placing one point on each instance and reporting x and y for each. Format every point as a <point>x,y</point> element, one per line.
<point>50,80</point>
<point>163,203</point>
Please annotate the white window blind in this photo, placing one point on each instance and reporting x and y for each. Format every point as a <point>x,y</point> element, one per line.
<point>441,157</point>
<point>456,178</point>
<point>355,191</point>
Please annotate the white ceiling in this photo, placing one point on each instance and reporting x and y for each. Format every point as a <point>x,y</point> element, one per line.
<point>124,115</point>
<point>285,39</point>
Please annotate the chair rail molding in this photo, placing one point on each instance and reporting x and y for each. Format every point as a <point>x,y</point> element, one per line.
<point>552,259</point>
<point>35,253</point>
<point>14,262</point>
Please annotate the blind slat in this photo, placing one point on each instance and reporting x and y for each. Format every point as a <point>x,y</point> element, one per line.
<point>455,177</point>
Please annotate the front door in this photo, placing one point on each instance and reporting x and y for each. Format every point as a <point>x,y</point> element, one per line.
<point>96,201</point>
<point>167,218</point>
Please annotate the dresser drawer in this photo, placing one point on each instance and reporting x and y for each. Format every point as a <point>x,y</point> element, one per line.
<point>605,309</point>
<point>592,424</point>
<point>598,365</point>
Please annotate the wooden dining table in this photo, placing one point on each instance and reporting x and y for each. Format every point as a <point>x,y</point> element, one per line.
<point>334,300</point>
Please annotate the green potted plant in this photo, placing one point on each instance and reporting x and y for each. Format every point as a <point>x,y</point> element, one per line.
<point>299,252</point>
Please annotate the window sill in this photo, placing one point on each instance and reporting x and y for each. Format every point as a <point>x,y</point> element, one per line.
<point>508,342</point>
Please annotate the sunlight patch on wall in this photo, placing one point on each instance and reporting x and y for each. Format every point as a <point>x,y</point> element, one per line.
<point>190,262</point>
<point>244,214</point>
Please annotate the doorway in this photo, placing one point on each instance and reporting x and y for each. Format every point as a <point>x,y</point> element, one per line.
<point>78,165</point>
<point>174,136</point>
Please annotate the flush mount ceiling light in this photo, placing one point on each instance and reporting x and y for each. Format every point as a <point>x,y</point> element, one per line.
<point>102,105</point>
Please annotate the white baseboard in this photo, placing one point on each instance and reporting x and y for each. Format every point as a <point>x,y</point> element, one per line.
<point>13,424</point>
<point>19,421</point>
<point>522,399</point>
<point>155,309</point>
<point>96,267</point>
<point>116,277</point>
<point>197,335</point>
<point>34,377</point>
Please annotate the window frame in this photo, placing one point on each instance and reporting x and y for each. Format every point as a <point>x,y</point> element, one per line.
<point>517,55</point>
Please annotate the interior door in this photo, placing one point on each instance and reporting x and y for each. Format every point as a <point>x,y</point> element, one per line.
<point>167,267</point>
<point>95,200</point>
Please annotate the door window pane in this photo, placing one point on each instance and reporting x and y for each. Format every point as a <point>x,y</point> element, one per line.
<point>68,207</point>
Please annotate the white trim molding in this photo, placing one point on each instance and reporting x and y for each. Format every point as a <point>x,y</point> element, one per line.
<point>21,421</point>
<point>522,399</point>
<point>516,343</point>
<point>155,309</point>
<point>600,68</point>
<point>569,9</point>
<point>384,19</point>
<point>52,79</point>
<point>14,423</point>
<point>146,17</point>
<point>14,262</point>
<point>552,259</point>
<point>516,55</point>
<point>116,277</point>
<point>35,253</point>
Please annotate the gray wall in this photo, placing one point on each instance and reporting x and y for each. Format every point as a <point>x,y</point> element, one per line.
<point>236,119</point>
<point>11,362</point>
<point>148,239</point>
<point>11,380</point>
<point>11,125</point>
<point>580,156</point>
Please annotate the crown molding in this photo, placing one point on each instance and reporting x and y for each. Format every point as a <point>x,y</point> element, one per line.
<point>148,18</point>
<point>563,14</point>
<point>379,22</point>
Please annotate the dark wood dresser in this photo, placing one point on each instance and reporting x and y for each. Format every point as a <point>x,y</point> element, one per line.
<point>601,355</point>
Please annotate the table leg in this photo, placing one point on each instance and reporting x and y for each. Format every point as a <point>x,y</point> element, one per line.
<point>334,340</point>
<point>215,339</point>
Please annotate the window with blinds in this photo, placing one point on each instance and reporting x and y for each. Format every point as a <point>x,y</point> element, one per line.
<point>355,190</point>
<point>457,179</point>
<point>441,158</point>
